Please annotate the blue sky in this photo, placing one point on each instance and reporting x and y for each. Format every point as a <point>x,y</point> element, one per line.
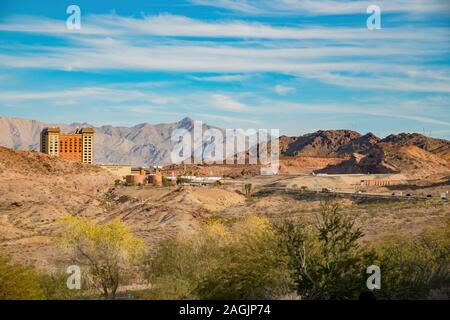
<point>296,65</point>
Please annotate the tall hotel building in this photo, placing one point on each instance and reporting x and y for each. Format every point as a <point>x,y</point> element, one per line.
<point>78,146</point>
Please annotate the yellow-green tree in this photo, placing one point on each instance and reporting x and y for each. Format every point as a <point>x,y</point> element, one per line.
<point>105,252</point>
<point>18,282</point>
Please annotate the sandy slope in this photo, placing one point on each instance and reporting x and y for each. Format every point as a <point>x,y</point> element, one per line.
<point>35,191</point>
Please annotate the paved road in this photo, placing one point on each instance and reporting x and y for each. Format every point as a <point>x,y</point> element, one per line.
<point>352,194</point>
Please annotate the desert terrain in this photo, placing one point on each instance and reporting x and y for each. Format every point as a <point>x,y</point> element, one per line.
<point>37,190</point>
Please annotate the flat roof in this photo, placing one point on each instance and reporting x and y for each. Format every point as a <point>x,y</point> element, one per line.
<point>51,129</point>
<point>78,131</point>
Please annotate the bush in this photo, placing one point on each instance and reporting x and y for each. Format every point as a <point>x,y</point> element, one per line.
<point>248,190</point>
<point>181,180</point>
<point>18,282</point>
<point>54,286</point>
<point>325,259</point>
<point>238,262</point>
<point>415,268</point>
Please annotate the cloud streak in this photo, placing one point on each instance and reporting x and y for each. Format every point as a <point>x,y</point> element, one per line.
<point>233,70</point>
<point>353,57</point>
<point>325,7</point>
<point>168,25</point>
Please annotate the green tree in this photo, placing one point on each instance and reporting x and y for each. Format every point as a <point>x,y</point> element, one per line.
<point>325,258</point>
<point>105,252</point>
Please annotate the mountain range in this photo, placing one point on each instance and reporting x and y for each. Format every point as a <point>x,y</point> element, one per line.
<point>148,144</point>
<point>411,153</point>
<point>143,144</point>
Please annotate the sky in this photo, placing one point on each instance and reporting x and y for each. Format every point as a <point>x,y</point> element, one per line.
<point>294,65</point>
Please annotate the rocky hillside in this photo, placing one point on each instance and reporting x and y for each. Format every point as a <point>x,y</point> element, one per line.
<point>411,153</point>
<point>391,157</point>
<point>36,190</point>
<point>328,143</point>
<point>438,147</point>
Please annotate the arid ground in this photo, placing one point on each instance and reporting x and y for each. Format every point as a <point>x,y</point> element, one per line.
<point>36,191</point>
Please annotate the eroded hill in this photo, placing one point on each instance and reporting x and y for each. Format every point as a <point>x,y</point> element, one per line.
<point>413,154</point>
<point>36,190</point>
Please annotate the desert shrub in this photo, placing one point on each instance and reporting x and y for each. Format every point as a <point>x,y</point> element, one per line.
<point>248,190</point>
<point>166,182</point>
<point>54,286</point>
<point>250,266</point>
<point>325,259</point>
<point>106,252</point>
<point>17,281</point>
<point>415,268</point>
<point>174,271</point>
<point>219,262</point>
<point>181,180</point>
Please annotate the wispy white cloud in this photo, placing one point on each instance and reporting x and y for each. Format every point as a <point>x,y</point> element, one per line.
<point>378,110</point>
<point>226,119</point>
<point>358,73</point>
<point>228,103</point>
<point>417,80</point>
<point>223,78</point>
<point>229,107</point>
<point>67,97</point>
<point>325,7</point>
<point>168,25</point>
<point>353,57</point>
<point>283,90</point>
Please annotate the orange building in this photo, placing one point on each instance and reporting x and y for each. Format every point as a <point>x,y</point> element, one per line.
<point>77,147</point>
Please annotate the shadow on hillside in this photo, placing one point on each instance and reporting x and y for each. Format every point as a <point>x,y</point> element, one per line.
<point>418,186</point>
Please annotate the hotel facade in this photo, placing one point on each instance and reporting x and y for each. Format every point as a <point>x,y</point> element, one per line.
<point>77,147</point>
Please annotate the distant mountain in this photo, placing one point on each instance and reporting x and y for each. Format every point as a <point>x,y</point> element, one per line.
<point>439,147</point>
<point>411,153</point>
<point>417,155</point>
<point>20,134</point>
<point>327,143</point>
<point>148,144</point>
